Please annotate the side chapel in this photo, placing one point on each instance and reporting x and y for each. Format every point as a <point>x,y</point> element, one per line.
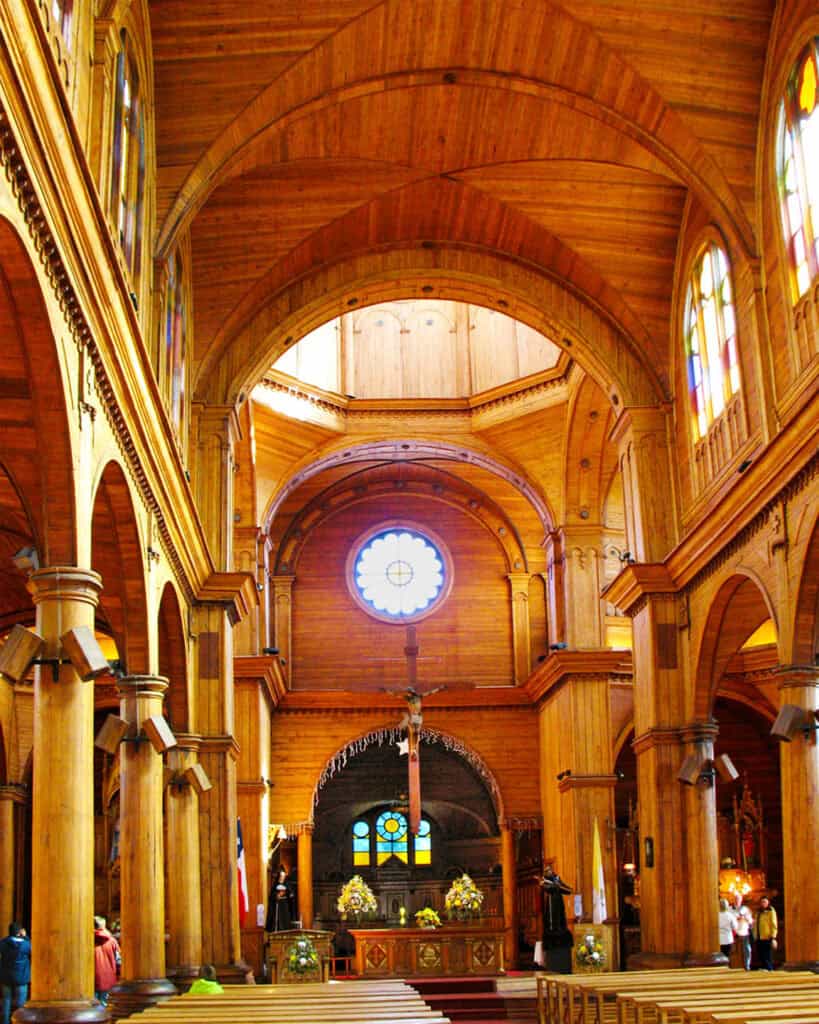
<point>357,351</point>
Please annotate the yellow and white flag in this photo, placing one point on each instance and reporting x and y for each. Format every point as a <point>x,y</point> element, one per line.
<point>599,911</point>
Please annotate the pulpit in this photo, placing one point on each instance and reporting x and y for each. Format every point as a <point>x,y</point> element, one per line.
<point>277,949</point>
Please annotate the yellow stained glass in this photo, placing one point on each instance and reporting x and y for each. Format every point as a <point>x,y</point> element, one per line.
<point>361,858</point>
<point>423,856</point>
<point>807,88</point>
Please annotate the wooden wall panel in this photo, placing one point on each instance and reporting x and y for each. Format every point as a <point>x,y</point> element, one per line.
<point>303,743</point>
<point>468,640</point>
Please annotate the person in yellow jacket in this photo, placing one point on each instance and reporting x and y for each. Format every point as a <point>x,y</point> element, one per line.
<point>766,928</point>
<point>206,984</point>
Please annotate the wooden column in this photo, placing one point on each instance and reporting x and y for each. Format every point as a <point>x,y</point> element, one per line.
<point>799,759</point>
<point>62,858</point>
<point>582,580</point>
<point>641,435</point>
<point>554,580</point>
<point>510,896</point>
<point>142,879</point>
<point>304,859</point>
<point>702,852</point>
<point>521,633</point>
<point>282,621</point>
<point>10,798</point>
<point>247,633</point>
<point>184,951</point>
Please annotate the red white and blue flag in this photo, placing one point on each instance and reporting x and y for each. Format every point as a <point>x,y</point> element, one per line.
<point>244,902</point>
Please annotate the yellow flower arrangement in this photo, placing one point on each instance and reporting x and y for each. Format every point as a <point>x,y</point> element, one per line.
<point>464,898</point>
<point>590,953</point>
<point>356,898</point>
<point>427,918</point>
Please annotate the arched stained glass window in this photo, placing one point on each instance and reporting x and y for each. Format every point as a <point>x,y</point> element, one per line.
<point>710,339</point>
<point>128,160</point>
<point>798,169</point>
<point>391,837</point>
<point>423,843</point>
<point>361,844</point>
<point>175,340</point>
<point>61,12</point>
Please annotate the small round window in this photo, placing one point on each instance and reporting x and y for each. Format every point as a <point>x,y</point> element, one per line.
<point>399,574</point>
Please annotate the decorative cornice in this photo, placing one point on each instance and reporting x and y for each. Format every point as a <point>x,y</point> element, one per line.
<point>236,591</point>
<point>657,736</point>
<point>51,260</point>
<point>790,676</point>
<point>252,788</point>
<point>567,666</point>
<point>16,793</point>
<point>224,744</point>
<point>700,732</point>
<point>637,581</point>
<point>261,669</point>
<point>587,782</point>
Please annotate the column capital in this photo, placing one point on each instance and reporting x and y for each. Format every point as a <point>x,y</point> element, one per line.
<point>142,686</point>
<point>639,420</point>
<point>519,581</point>
<point>16,793</point>
<point>789,676</point>
<point>188,741</point>
<point>66,583</point>
<point>699,732</point>
<point>587,782</point>
<point>635,583</point>
<point>657,736</point>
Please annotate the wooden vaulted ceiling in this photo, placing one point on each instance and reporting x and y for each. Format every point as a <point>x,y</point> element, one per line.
<point>559,137</point>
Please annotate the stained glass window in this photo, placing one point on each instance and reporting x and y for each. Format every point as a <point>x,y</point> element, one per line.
<point>175,340</point>
<point>61,12</point>
<point>798,170</point>
<point>399,573</point>
<point>128,160</point>
<point>361,844</point>
<point>710,339</point>
<point>391,837</point>
<point>423,843</point>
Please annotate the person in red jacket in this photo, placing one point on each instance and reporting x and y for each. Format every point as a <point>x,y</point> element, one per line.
<point>106,960</point>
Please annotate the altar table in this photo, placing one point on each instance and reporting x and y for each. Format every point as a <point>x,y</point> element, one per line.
<point>453,949</point>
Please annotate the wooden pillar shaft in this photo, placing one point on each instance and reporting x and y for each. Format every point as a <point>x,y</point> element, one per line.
<point>304,856</point>
<point>10,797</point>
<point>799,760</point>
<point>521,630</point>
<point>702,851</point>
<point>184,951</point>
<point>62,962</point>
<point>510,901</point>
<point>282,620</point>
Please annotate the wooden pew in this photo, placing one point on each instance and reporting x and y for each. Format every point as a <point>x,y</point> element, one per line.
<point>667,1006</point>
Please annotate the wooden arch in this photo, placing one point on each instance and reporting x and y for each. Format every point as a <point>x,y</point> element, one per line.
<point>739,607</point>
<point>116,554</point>
<point>35,416</point>
<point>172,659</point>
<point>425,482</point>
<point>462,246</point>
<point>806,615</point>
<point>408,450</point>
<point>391,733</point>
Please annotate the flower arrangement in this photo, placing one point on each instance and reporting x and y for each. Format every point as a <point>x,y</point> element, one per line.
<point>464,898</point>
<point>356,898</point>
<point>590,953</point>
<point>427,918</point>
<point>302,957</point>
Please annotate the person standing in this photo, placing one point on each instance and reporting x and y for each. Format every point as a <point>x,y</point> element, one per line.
<point>766,929</point>
<point>15,969</point>
<point>106,960</point>
<point>744,926</point>
<point>279,910</point>
<point>727,928</point>
<point>557,938</point>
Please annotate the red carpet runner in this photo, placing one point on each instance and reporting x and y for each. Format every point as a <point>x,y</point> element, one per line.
<point>470,1000</point>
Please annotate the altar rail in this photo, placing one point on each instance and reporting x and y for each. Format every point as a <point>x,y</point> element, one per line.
<point>451,950</point>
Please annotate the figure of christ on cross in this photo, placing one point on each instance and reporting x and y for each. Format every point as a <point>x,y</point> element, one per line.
<point>412,722</point>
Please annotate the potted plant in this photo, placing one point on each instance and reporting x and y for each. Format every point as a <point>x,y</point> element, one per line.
<point>427,918</point>
<point>356,898</point>
<point>464,899</point>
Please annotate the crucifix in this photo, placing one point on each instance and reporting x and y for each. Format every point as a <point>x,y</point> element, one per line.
<point>412,722</point>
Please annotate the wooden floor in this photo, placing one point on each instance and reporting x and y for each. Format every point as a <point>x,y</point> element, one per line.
<point>334,1002</point>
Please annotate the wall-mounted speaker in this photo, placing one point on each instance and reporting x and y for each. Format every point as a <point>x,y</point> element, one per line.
<point>159,733</point>
<point>198,778</point>
<point>111,734</point>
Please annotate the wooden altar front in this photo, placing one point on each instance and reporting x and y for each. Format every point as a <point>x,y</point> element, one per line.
<point>438,952</point>
<point>277,952</point>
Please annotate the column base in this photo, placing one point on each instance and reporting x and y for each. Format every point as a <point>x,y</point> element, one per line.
<point>129,997</point>
<point>802,965</point>
<point>233,974</point>
<point>184,976</point>
<point>654,961</point>
<point>76,1011</point>
<point>717,959</point>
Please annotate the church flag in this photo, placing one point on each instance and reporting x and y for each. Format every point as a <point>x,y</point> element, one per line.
<point>244,901</point>
<point>599,911</point>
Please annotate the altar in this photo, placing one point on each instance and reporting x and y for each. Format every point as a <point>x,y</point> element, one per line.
<point>453,949</point>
